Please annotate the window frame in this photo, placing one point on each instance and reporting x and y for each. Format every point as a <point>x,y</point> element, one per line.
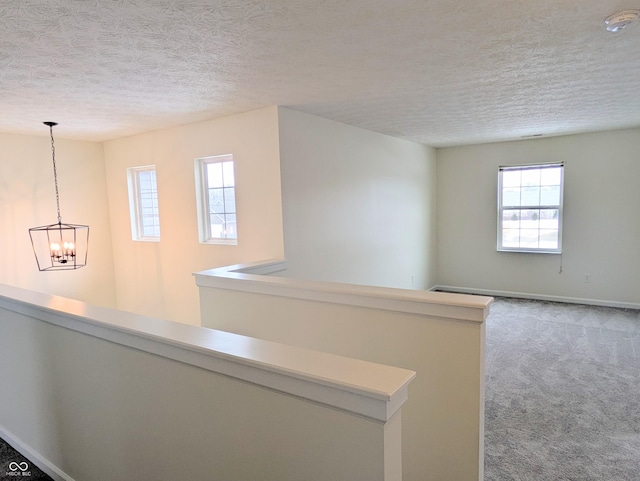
<point>135,204</point>
<point>559,207</point>
<point>202,199</point>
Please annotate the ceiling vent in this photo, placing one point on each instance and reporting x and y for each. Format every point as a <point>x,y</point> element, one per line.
<point>618,21</point>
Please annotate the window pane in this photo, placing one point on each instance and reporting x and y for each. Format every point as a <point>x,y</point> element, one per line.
<point>548,239</point>
<point>551,176</point>
<point>147,179</point>
<point>511,178</point>
<point>148,201</point>
<point>511,237</point>
<point>145,185</point>
<point>530,219</point>
<point>150,226</point>
<point>531,196</point>
<point>216,201</point>
<point>217,225</point>
<point>511,219</point>
<point>529,238</point>
<point>223,226</point>
<point>214,174</point>
<point>227,173</point>
<point>550,195</point>
<point>550,219</point>
<point>231,228</point>
<point>511,197</point>
<point>531,177</point>
<point>229,200</point>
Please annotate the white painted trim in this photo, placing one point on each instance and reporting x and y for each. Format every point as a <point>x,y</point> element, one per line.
<point>261,268</point>
<point>366,389</point>
<point>34,456</point>
<point>539,297</point>
<point>251,278</point>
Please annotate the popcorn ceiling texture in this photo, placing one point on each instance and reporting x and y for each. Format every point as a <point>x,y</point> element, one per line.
<point>440,72</point>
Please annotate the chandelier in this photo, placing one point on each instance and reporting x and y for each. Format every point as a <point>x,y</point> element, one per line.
<point>59,246</point>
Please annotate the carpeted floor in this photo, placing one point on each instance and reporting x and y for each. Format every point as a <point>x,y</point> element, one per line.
<point>562,392</point>
<point>14,465</point>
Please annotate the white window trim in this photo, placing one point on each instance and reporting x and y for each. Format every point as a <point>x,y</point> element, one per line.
<point>202,199</point>
<point>135,209</point>
<point>560,206</point>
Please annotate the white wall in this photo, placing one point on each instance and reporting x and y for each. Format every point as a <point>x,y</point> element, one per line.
<point>358,206</point>
<point>156,278</point>
<point>440,336</point>
<point>27,199</point>
<point>90,393</point>
<point>601,228</point>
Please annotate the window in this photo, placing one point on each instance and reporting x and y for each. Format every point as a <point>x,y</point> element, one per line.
<point>143,203</point>
<point>530,208</point>
<point>215,187</point>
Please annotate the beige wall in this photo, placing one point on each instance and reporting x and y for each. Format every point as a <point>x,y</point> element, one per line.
<point>443,420</point>
<point>601,228</point>
<point>156,278</point>
<point>358,207</point>
<point>27,199</point>
<point>90,408</point>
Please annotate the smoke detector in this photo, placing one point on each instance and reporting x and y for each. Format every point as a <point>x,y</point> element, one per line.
<point>618,21</point>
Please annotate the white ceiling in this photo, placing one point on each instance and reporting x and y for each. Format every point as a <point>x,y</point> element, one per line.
<point>440,72</point>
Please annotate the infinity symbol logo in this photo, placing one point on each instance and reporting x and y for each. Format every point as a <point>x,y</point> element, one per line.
<point>13,466</point>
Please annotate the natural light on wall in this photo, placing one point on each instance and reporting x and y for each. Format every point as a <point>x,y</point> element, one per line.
<point>530,208</point>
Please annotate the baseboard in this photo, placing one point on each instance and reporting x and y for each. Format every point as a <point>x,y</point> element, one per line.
<point>34,456</point>
<point>538,297</point>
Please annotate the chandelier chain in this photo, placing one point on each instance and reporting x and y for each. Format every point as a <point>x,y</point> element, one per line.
<point>55,173</point>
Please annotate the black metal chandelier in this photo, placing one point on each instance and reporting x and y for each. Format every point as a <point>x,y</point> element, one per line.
<point>59,246</point>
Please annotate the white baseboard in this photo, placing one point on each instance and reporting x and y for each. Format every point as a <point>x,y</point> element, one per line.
<point>539,297</point>
<point>34,456</point>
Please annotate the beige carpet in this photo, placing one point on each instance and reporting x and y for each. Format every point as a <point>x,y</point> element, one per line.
<point>562,392</point>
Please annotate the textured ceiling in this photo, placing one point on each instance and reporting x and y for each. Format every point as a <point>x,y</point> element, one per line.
<point>440,72</point>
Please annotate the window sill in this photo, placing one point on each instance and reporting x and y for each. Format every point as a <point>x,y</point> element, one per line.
<point>224,242</point>
<point>529,251</point>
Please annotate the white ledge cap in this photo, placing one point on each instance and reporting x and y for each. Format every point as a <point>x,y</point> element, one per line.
<point>367,389</point>
<point>257,277</point>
